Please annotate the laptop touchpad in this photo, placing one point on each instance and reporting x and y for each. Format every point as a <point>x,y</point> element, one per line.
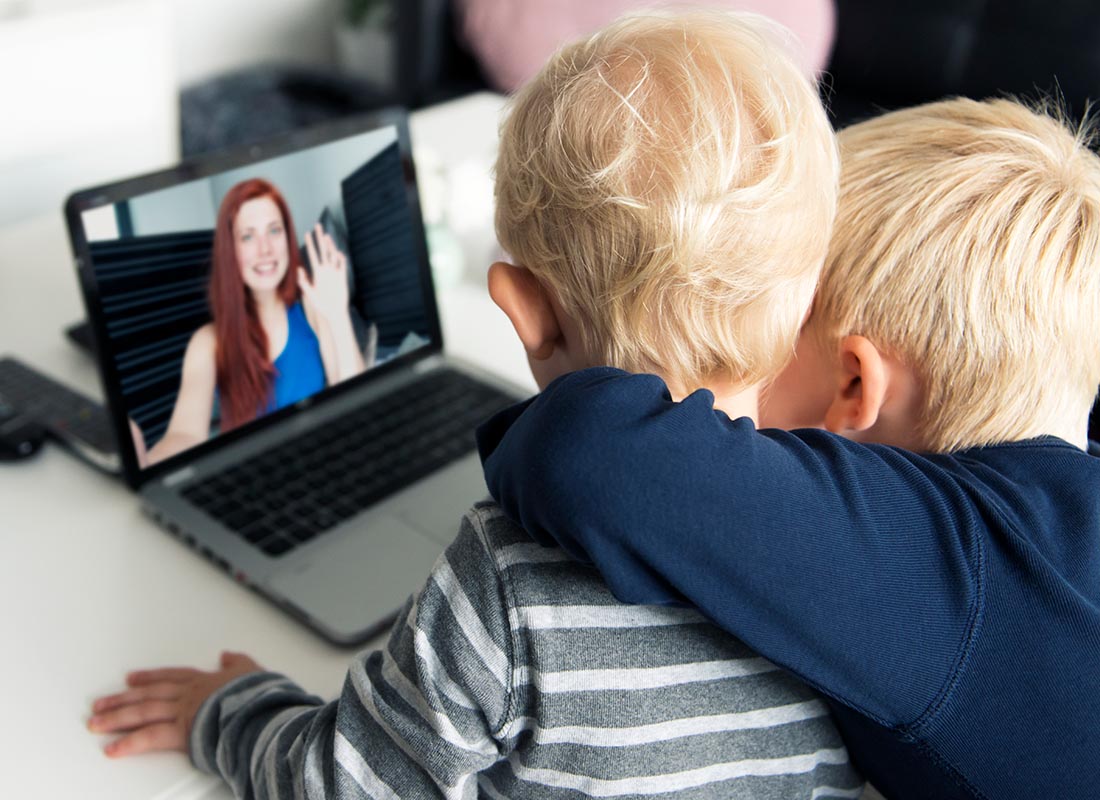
<point>435,505</point>
<point>385,564</point>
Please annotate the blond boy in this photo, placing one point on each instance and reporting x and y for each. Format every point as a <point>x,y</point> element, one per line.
<point>666,189</point>
<point>949,604</point>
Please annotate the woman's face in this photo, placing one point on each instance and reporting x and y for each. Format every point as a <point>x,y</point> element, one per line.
<point>259,235</point>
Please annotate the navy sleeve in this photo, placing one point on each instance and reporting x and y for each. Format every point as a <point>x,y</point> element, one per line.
<point>856,567</point>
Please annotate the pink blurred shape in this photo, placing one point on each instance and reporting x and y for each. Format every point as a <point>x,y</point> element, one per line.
<point>513,38</point>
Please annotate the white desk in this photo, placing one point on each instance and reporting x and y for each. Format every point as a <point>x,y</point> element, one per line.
<point>90,588</point>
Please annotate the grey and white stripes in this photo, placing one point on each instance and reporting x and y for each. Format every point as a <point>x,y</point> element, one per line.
<point>515,673</point>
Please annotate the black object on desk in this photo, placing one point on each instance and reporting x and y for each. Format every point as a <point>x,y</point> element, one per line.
<point>80,334</point>
<point>19,436</point>
<point>76,421</point>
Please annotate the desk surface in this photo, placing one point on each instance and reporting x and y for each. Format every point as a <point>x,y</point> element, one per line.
<point>90,588</point>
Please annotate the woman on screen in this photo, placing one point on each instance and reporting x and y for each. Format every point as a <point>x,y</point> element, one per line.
<point>278,333</point>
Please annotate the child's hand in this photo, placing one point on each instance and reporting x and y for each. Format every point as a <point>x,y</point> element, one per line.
<point>157,711</point>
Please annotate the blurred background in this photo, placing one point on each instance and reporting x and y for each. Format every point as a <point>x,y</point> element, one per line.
<point>97,89</point>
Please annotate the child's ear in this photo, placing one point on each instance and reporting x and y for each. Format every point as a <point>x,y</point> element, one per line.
<point>861,383</point>
<point>524,300</point>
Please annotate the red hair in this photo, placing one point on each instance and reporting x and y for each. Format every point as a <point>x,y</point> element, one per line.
<point>245,374</point>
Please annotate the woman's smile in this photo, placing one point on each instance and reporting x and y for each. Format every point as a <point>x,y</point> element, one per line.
<point>261,244</point>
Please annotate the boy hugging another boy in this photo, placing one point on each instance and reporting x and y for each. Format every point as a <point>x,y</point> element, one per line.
<point>667,189</point>
<point>948,604</point>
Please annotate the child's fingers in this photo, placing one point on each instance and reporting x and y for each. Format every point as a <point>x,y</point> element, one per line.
<point>133,716</point>
<point>143,677</point>
<point>231,658</point>
<point>161,736</point>
<point>154,691</point>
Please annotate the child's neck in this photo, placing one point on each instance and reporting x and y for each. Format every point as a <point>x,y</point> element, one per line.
<point>734,400</point>
<point>1073,431</point>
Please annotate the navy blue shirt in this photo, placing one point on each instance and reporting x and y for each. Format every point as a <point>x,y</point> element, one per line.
<point>948,605</point>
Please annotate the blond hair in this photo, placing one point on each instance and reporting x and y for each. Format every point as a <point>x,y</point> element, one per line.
<point>967,244</point>
<point>672,179</point>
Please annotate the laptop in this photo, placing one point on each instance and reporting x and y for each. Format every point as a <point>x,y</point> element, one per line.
<point>326,462</point>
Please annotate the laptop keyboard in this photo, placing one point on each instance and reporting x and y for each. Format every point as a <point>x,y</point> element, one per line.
<point>288,495</point>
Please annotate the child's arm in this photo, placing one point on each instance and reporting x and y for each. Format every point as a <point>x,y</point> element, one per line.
<point>417,719</point>
<point>855,567</point>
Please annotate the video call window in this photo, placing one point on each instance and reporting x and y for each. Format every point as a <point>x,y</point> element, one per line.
<point>232,296</point>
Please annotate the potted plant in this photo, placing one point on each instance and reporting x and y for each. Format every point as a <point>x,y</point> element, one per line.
<point>364,41</point>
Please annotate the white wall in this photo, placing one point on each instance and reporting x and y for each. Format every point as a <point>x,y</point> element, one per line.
<point>90,87</point>
<point>188,207</point>
<point>88,96</point>
<point>214,36</point>
<point>100,224</point>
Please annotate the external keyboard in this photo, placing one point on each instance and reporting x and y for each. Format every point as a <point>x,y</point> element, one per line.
<point>75,420</point>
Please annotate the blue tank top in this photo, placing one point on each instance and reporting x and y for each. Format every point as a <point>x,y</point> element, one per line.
<point>299,371</point>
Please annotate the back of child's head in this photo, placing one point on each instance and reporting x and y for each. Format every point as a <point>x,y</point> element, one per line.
<point>672,180</point>
<point>967,245</point>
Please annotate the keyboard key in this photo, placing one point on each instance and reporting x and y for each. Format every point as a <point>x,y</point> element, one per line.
<point>300,532</point>
<point>256,531</point>
<point>221,507</point>
<point>238,519</point>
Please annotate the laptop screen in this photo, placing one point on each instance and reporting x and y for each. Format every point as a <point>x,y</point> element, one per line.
<point>227,298</point>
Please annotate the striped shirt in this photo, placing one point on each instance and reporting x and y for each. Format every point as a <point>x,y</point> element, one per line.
<point>515,673</point>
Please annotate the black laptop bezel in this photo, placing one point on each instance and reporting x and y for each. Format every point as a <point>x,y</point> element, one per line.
<point>202,167</point>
